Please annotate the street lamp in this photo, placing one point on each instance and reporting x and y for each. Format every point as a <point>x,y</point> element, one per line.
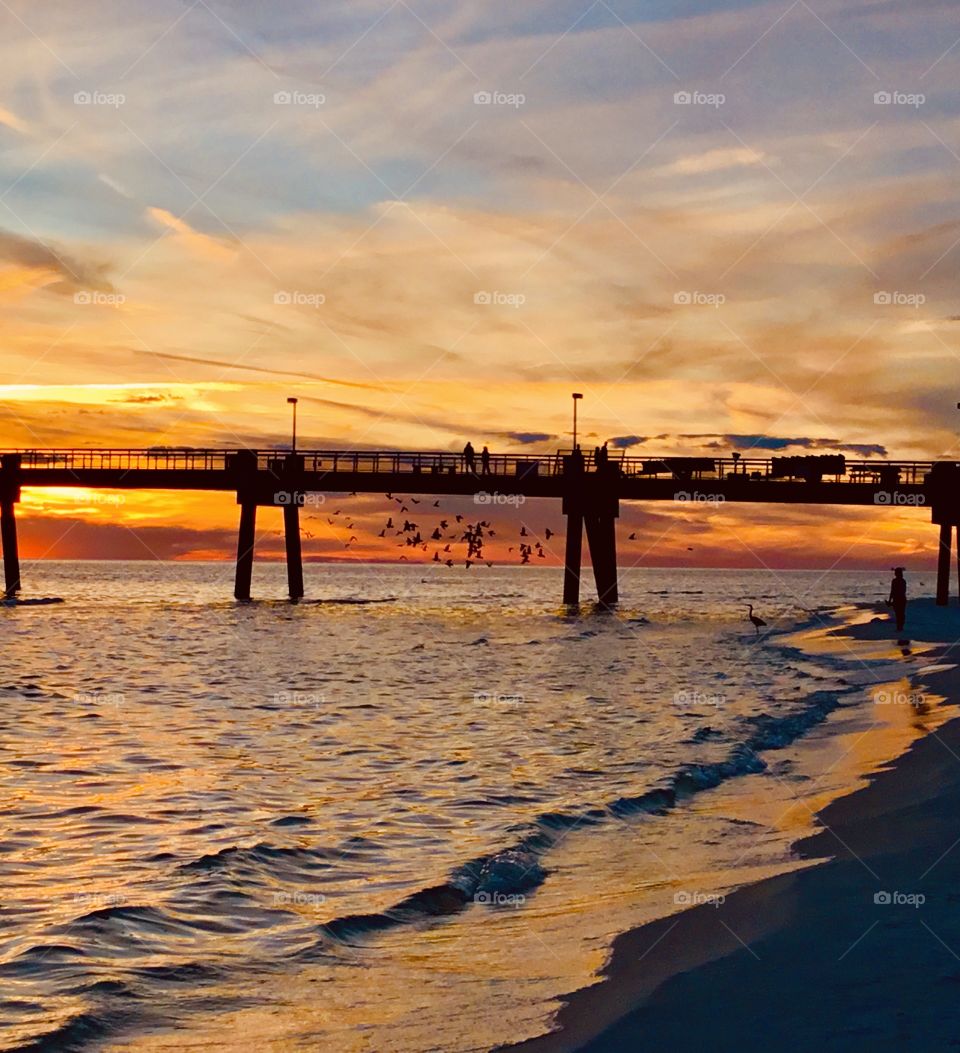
<point>576,398</point>
<point>293,402</point>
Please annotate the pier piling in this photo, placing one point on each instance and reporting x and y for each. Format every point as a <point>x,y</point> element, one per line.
<point>246,537</point>
<point>602,539</point>
<point>572,559</point>
<point>11,555</point>
<point>291,534</point>
<point>943,565</point>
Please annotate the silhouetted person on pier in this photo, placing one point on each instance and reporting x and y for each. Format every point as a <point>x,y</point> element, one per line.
<point>485,461</point>
<point>597,458</point>
<point>898,597</point>
<point>469,457</point>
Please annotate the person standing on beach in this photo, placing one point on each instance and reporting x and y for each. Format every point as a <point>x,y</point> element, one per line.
<point>898,597</point>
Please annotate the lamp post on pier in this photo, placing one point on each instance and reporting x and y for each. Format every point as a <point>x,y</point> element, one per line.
<point>293,402</point>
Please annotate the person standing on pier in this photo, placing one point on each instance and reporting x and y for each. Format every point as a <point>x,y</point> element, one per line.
<point>898,597</point>
<point>469,457</point>
<point>485,461</point>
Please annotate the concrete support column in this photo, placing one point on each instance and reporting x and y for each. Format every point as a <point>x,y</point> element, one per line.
<point>291,534</point>
<point>602,539</point>
<point>573,558</point>
<point>246,537</point>
<point>943,566</point>
<point>8,538</point>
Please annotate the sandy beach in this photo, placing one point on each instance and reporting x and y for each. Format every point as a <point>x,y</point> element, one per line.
<point>856,952</point>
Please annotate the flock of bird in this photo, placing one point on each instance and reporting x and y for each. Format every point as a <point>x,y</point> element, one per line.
<point>445,536</point>
<point>473,535</point>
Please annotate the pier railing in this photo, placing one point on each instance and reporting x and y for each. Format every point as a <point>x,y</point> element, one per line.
<point>403,462</point>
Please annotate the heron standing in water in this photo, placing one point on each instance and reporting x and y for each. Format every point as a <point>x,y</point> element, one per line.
<point>758,623</point>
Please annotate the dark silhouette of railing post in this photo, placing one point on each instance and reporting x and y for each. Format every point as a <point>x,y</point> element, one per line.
<point>291,525</point>
<point>244,466</point>
<point>9,496</point>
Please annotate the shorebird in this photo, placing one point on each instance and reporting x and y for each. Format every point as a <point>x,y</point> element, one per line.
<point>757,622</point>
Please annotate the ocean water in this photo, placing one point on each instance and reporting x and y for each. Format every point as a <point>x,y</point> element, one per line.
<point>406,814</point>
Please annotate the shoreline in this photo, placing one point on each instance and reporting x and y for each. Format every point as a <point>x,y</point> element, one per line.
<point>757,964</point>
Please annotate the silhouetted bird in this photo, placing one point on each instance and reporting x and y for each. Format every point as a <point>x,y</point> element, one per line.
<point>633,537</point>
<point>548,533</point>
<point>757,622</point>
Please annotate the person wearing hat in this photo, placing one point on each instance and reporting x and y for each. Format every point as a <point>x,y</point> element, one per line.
<point>898,597</point>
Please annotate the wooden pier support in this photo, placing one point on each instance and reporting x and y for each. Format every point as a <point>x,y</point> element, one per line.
<point>246,538</point>
<point>291,534</point>
<point>573,559</point>
<point>602,539</point>
<point>11,555</point>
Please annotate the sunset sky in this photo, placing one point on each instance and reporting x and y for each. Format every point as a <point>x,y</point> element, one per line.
<point>730,225</point>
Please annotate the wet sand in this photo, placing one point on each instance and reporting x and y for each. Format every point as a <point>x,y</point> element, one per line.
<point>858,952</point>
